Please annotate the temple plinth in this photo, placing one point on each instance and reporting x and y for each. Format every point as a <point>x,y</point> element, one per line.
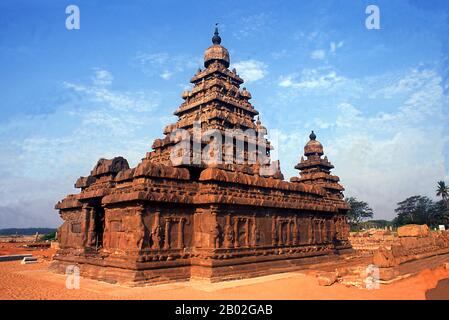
<point>206,201</point>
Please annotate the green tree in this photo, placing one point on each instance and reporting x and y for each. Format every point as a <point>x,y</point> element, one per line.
<point>443,192</point>
<point>48,236</point>
<point>415,210</point>
<point>359,211</point>
<point>439,214</point>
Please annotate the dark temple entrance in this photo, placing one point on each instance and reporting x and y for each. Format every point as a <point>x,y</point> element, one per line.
<point>99,226</point>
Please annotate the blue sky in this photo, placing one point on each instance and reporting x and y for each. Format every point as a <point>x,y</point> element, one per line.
<point>377,99</point>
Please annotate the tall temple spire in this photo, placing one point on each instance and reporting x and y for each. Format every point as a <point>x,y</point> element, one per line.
<point>216,39</point>
<point>220,104</point>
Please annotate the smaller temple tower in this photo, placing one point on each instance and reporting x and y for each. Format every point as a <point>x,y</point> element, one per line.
<point>316,170</point>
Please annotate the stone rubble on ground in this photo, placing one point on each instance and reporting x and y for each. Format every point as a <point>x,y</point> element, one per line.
<point>327,278</point>
<point>29,260</point>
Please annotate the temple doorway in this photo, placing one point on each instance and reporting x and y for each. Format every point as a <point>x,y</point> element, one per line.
<point>99,226</point>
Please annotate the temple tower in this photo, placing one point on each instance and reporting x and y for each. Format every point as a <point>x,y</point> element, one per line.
<point>216,123</point>
<point>316,170</point>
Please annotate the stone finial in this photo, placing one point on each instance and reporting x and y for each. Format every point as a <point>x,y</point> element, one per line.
<point>216,39</point>
<point>312,136</point>
<point>216,52</point>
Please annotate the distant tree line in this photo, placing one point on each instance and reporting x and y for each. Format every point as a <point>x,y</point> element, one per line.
<point>413,210</point>
<point>25,231</point>
<point>423,210</point>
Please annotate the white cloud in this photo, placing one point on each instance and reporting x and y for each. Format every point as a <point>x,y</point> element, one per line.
<point>381,156</point>
<point>321,54</point>
<point>384,171</point>
<point>386,156</point>
<point>334,46</point>
<point>165,65</point>
<point>166,75</point>
<point>405,84</point>
<point>251,25</point>
<point>251,70</point>
<point>137,101</point>
<point>158,58</point>
<point>312,79</point>
<point>102,78</point>
<point>318,54</point>
<point>40,166</point>
<point>321,124</point>
<point>312,36</point>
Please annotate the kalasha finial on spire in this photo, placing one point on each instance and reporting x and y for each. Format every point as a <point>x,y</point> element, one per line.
<point>216,38</point>
<point>312,136</point>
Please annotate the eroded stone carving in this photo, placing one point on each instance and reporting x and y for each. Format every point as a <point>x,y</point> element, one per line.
<point>156,234</point>
<point>228,233</point>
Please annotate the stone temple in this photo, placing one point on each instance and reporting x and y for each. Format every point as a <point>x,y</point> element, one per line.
<point>207,202</point>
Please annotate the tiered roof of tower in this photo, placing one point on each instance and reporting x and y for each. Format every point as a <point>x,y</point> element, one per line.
<point>316,170</point>
<point>216,102</point>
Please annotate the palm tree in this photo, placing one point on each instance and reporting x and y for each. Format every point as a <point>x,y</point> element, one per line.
<point>443,192</point>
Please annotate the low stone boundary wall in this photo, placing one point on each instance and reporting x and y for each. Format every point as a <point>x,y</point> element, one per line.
<point>399,254</point>
<point>371,240</point>
<point>14,257</point>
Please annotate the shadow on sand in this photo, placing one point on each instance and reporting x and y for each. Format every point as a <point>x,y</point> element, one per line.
<point>440,292</point>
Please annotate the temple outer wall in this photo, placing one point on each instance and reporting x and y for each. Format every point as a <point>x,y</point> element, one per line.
<point>150,242</point>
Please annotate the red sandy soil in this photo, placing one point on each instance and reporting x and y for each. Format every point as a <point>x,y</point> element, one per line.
<point>7,248</point>
<point>34,281</point>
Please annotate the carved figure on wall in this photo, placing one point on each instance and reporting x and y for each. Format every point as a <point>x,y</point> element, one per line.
<point>140,232</point>
<point>228,233</point>
<point>295,231</point>
<point>253,231</point>
<point>156,233</point>
<point>310,233</point>
<point>274,236</point>
<point>216,236</point>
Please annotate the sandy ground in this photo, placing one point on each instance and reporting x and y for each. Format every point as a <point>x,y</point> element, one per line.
<point>34,281</point>
<point>7,248</point>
